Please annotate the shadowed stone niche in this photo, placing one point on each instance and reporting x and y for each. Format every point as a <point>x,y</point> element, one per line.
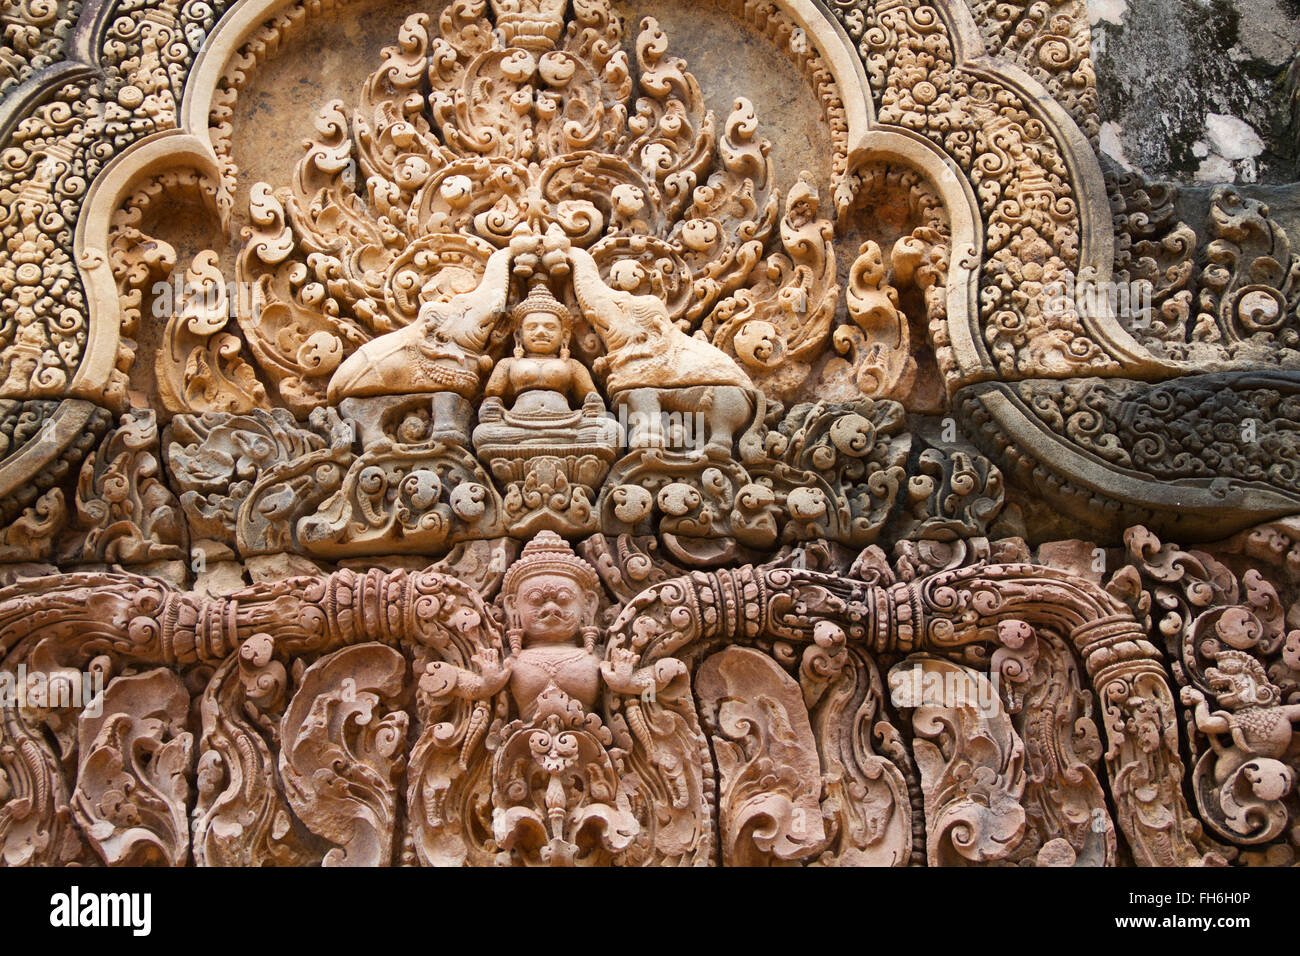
<point>586,432</point>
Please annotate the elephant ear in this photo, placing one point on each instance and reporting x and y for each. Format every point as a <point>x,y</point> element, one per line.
<point>668,774</point>
<point>449,782</point>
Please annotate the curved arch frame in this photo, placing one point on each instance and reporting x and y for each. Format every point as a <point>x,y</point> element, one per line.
<point>190,145</point>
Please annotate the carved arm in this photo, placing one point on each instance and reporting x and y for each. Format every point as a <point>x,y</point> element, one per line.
<point>1207,721</point>
<point>443,680</point>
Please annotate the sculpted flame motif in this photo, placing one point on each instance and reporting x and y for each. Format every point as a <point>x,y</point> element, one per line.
<point>523,132</point>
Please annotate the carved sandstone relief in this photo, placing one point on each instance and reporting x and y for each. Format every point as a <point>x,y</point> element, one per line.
<point>542,737</point>
<point>565,454</point>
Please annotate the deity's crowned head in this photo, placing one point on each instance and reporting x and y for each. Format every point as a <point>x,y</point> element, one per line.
<point>550,594</point>
<point>543,324</point>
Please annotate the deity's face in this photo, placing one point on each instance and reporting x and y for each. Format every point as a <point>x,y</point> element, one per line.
<point>551,608</point>
<point>541,333</point>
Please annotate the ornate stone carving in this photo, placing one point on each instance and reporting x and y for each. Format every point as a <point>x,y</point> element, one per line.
<point>535,681</point>
<point>1228,304</point>
<point>200,368</point>
<point>1119,448</point>
<point>57,435</point>
<point>952,496</point>
<point>886,351</point>
<point>241,816</point>
<point>599,432</point>
<point>1066,820</point>
<point>836,470</point>
<point>1240,785</point>
<point>1053,43</point>
<point>419,497</point>
<point>36,35</point>
<point>768,770</point>
<point>1228,637</point>
<point>125,513</point>
<point>342,738</point>
<point>1018,169</point>
<point>216,458</point>
<point>651,366</point>
<point>971,761</point>
<point>778,327</point>
<point>550,455</point>
<point>36,818</point>
<point>135,761</point>
<point>1213,429</point>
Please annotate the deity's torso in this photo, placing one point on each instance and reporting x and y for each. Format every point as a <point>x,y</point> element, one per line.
<point>574,670</point>
<point>529,375</point>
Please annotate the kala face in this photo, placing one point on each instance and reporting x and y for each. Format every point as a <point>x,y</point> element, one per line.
<point>550,608</point>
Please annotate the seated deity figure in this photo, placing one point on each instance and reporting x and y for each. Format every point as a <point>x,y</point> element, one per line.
<point>553,403</point>
<point>653,366</point>
<point>441,353</point>
<point>554,444</point>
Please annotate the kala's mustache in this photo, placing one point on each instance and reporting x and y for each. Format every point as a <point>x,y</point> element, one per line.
<point>548,615</point>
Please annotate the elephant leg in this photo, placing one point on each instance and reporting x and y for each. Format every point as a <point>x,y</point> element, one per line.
<point>451,415</point>
<point>728,414</point>
<point>645,428</point>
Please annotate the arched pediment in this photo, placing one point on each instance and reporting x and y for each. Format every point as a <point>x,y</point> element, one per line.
<point>634,432</point>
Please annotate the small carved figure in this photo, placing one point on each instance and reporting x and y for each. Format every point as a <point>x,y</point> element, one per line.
<point>544,384</point>
<point>550,602</point>
<point>555,444</point>
<point>1247,778</point>
<point>550,596</point>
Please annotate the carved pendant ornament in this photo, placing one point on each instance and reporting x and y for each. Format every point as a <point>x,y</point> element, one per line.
<point>552,459</point>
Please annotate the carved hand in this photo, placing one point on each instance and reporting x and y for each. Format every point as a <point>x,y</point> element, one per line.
<point>495,672</point>
<point>442,679</point>
<point>623,679</point>
<point>618,670</point>
<point>1191,696</point>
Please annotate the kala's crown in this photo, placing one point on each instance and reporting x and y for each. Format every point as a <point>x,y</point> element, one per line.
<point>548,553</point>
